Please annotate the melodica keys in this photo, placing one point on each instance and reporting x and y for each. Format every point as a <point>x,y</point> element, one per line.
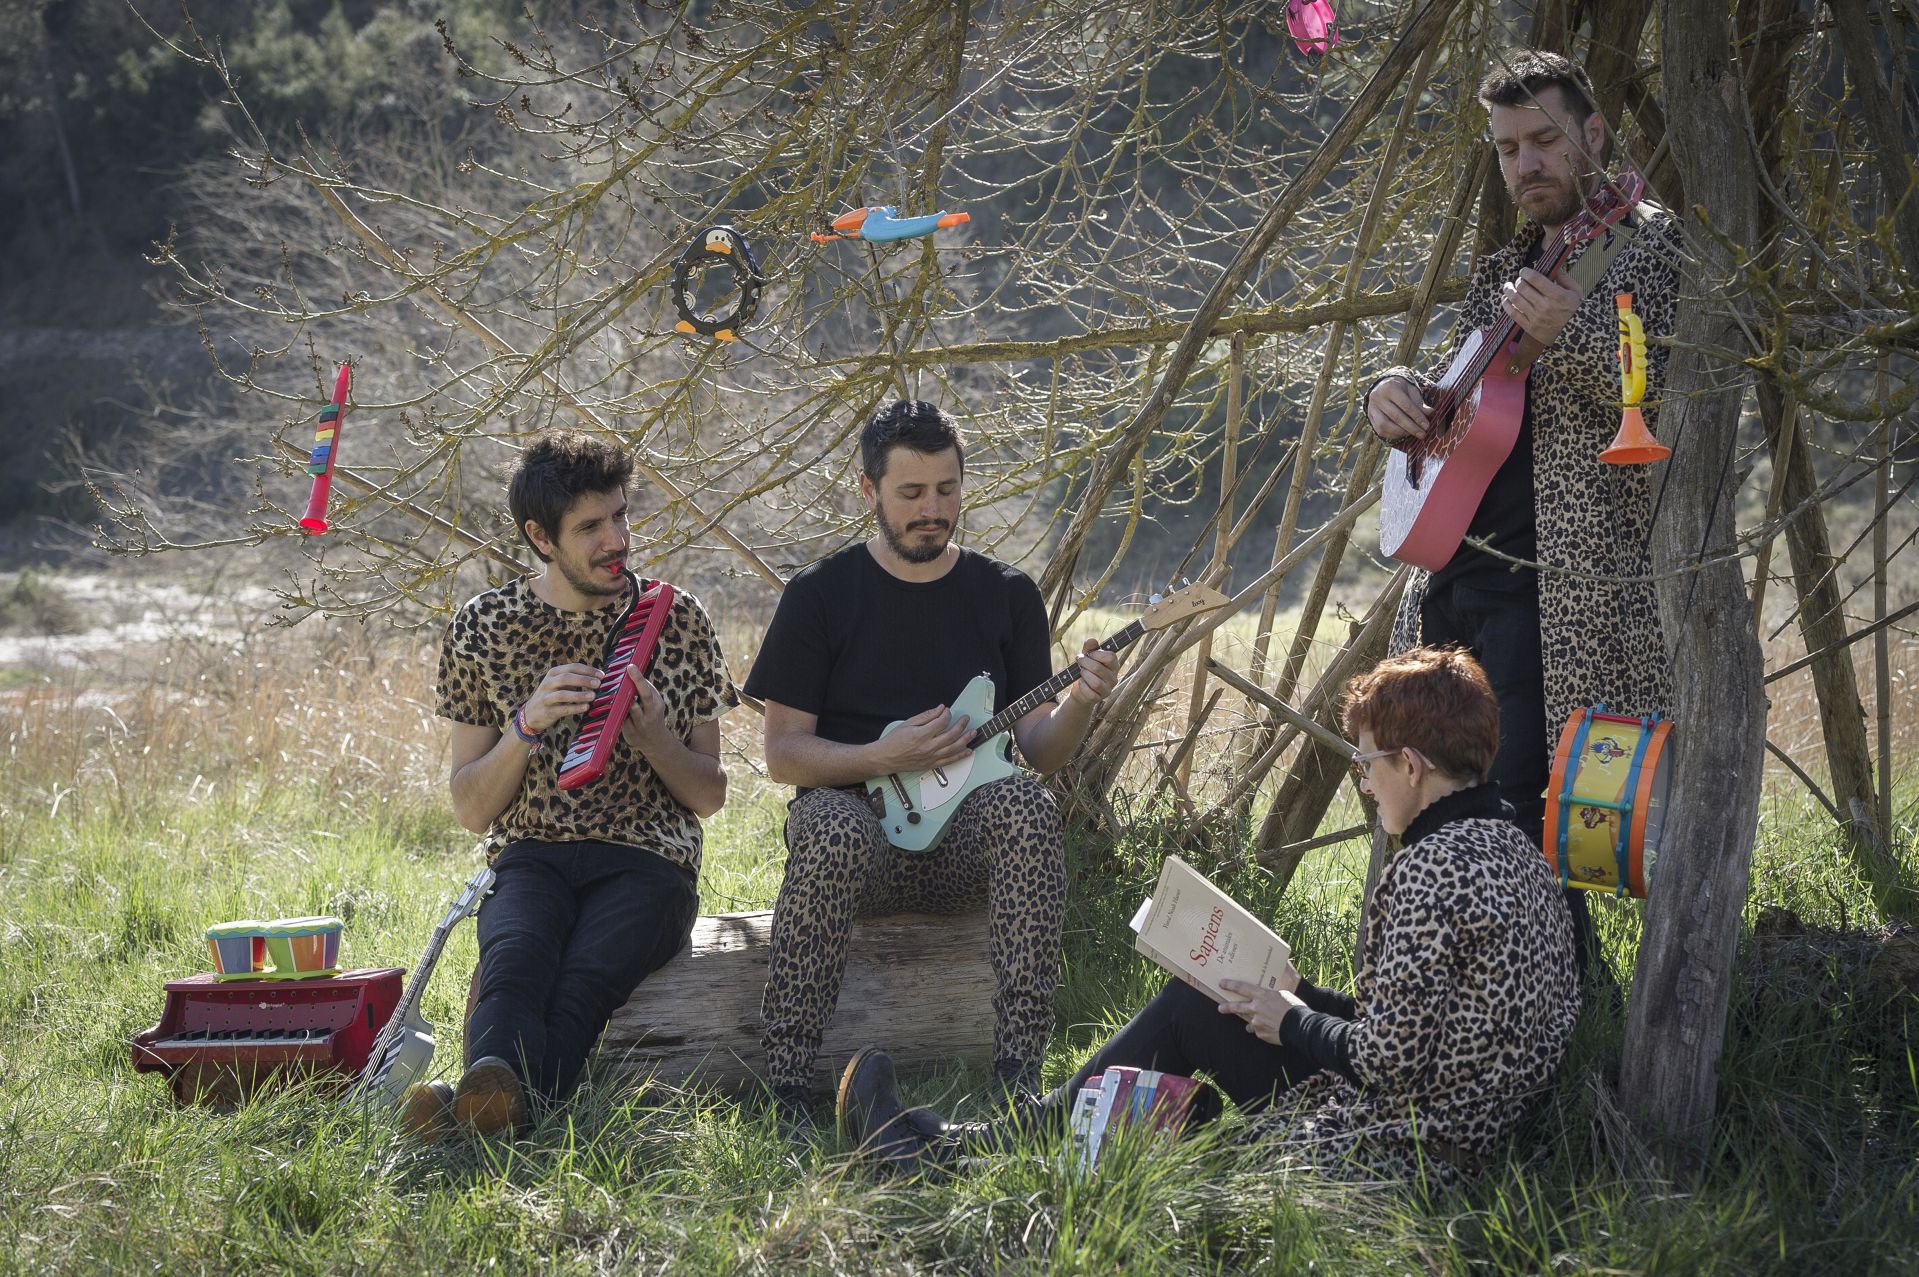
<point>635,637</point>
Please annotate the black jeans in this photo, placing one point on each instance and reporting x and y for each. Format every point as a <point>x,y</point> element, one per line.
<point>570,930</point>
<point>1501,628</point>
<point>1183,1031</point>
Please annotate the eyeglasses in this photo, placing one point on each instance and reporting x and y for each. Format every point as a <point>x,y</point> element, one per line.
<point>1363,763</point>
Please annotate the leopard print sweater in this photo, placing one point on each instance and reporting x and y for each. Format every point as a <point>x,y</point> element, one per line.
<point>497,649</point>
<point>1463,1005</point>
<point>1601,639</point>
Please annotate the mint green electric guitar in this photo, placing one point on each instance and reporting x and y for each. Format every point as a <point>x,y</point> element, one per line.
<point>915,808</point>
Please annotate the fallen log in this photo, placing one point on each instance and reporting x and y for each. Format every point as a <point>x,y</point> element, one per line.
<point>920,985</point>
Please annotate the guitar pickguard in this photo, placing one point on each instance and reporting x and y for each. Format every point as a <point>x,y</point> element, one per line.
<point>916,807</point>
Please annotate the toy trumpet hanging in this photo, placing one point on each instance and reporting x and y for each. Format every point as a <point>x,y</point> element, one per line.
<point>1634,444</point>
<point>882,224</point>
<point>326,451</point>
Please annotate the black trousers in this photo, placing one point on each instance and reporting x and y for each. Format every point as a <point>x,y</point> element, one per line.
<point>1183,1031</point>
<point>570,930</point>
<point>1501,629</point>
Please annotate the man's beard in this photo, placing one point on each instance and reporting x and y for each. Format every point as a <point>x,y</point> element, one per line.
<point>593,582</point>
<point>896,538</point>
<point>1569,199</point>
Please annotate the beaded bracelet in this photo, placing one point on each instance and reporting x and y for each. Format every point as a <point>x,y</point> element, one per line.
<point>519,729</point>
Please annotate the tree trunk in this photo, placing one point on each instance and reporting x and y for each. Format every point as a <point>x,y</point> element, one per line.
<point>1677,1023</point>
<point>1892,144</point>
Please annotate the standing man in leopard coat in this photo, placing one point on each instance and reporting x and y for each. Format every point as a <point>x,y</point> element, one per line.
<point>1553,611</point>
<point>891,628</point>
<point>597,886</point>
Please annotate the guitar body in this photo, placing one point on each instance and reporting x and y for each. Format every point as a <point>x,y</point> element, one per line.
<point>1427,502</point>
<point>915,808</point>
<point>412,1056</point>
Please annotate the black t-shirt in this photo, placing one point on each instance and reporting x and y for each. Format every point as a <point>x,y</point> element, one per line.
<point>860,648</point>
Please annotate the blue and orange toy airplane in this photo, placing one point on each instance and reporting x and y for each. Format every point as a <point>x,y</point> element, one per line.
<point>880,224</point>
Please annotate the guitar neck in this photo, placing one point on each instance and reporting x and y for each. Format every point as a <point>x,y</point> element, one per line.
<point>410,997</point>
<point>1048,690</point>
<point>1551,255</point>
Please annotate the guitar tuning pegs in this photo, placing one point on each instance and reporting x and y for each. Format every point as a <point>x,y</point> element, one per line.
<point>1153,598</point>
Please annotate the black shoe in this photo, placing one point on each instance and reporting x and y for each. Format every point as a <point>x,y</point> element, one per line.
<point>872,1116</point>
<point>792,1105</point>
<point>1018,1082</point>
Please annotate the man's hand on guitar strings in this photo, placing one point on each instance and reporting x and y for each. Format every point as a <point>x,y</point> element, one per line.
<point>1540,305</point>
<point>1098,674</point>
<point>565,691</point>
<point>931,739</point>
<point>1397,410</point>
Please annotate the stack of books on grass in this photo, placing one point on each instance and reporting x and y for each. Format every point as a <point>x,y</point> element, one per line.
<point>1124,1097</point>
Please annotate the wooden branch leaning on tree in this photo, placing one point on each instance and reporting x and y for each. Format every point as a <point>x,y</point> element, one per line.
<point>1551,642</point>
<point>596,885</point>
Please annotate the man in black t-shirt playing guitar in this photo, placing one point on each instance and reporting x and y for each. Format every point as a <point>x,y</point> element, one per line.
<point>889,630</point>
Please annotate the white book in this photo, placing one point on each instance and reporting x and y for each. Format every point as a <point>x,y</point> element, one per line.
<point>1102,1115</point>
<point>1079,1142</point>
<point>1202,935</point>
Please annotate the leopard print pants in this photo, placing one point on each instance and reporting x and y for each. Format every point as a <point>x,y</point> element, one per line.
<point>1003,849</point>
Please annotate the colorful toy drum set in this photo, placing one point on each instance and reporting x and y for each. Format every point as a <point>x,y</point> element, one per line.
<point>284,949</point>
<point>1606,806</point>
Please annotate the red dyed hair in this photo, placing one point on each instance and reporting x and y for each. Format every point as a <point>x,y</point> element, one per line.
<point>1435,699</point>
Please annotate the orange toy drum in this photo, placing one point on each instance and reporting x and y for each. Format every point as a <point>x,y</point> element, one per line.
<point>1606,806</point>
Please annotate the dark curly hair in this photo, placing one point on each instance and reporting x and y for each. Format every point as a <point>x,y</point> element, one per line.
<point>1520,74</point>
<point>906,423</point>
<point>558,468</point>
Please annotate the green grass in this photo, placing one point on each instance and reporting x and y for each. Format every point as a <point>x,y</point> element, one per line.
<point>235,790</point>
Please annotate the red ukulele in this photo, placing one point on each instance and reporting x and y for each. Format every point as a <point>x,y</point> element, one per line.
<point>1434,485</point>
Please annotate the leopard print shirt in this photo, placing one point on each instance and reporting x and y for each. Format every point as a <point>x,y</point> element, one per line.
<point>1600,639</point>
<point>501,644</point>
<point>1464,1002</point>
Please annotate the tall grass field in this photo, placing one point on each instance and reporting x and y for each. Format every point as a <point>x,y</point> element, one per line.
<point>280,775</point>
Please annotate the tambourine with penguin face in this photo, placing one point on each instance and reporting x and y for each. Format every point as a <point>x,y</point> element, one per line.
<point>716,246</point>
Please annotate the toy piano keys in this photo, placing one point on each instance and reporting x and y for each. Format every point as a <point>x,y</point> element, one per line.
<point>275,1003</point>
<point>629,648</point>
<point>218,1041</point>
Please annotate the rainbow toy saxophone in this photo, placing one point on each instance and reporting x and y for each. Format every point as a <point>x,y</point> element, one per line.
<point>1634,444</point>
<point>326,451</point>
<point>881,224</point>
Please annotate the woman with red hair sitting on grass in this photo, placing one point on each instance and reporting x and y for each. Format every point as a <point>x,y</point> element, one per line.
<point>1461,1010</point>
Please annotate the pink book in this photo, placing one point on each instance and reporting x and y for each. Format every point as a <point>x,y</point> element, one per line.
<point>1171,1101</point>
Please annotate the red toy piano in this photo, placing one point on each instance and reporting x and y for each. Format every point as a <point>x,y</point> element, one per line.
<point>217,1042</point>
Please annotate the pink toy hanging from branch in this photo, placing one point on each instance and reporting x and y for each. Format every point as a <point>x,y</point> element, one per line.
<point>1313,26</point>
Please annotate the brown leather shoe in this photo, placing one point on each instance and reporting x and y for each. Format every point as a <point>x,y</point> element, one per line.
<point>427,1110</point>
<point>491,1098</point>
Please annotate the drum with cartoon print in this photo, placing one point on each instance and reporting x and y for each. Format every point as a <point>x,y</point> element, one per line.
<point>1606,805</point>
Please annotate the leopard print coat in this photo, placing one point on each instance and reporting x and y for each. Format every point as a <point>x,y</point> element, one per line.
<point>499,646</point>
<point>1601,639</point>
<point>1464,1002</point>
